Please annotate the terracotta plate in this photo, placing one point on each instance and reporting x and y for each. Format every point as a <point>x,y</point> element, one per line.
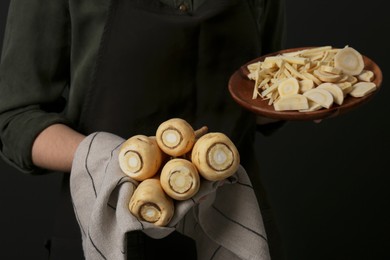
<point>241,89</point>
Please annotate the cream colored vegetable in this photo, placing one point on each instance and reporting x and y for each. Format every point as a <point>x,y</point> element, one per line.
<point>366,75</point>
<point>275,77</point>
<point>305,85</point>
<point>180,179</point>
<point>326,76</point>
<point>313,106</point>
<point>330,69</point>
<point>346,87</point>
<point>292,102</point>
<point>289,86</point>
<point>337,93</point>
<point>362,88</point>
<point>215,156</point>
<point>176,136</point>
<point>349,61</point>
<point>140,157</point>
<point>320,96</point>
<point>149,203</point>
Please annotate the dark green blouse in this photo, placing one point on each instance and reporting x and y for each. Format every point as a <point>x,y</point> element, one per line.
<point>48,56</point>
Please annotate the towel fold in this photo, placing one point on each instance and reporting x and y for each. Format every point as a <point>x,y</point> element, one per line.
<point>223,217</point>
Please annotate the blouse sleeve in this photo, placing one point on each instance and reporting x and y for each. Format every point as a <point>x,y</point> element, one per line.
<point>34,74</point>
<point>271,23</point>
<point>272,26</point>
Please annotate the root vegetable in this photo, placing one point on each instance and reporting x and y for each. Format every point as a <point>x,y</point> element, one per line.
<point>140,157</point>
<point>349,61</point>
<point>366,75</point>
<point>176,136</point>
<point>292,102</point>
<point>337,93</point>
<point>320,96</point>
<point>149,203</point>
<point>180,179</point>
<point>289,86</point>
<point>215,156</point>
<point>330,69</point>
<point>362,88</point>
<point>305,85</point>
<point>346,87</point>
<point>313,106</point>
<point>327,76</point>
<point>275,77</point>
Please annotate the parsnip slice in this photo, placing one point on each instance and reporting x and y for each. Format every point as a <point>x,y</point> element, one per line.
<point>320,96</point>
<point>305,85</point>
<point>366,75</point>
<point>288,87</point>
<point>337,93</point>
<point>326,76</point>
<point>292,102</point>
<point>346,87</point>
<point>313,106</point>
<point>331,69</point>
<point>362,88</point>
<point>349,61</point>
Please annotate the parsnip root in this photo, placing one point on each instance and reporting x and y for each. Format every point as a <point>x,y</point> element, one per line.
<point>188,155</point>
<point>175,137</point>
<point>140,157</point>
<point>215,156</point>
<point>180,179</point>
<point>149,203</point>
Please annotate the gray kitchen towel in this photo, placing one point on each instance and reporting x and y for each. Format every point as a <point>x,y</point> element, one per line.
<point>223,217</point>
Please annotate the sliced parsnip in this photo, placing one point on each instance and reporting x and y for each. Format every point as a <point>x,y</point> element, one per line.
<point>346,87</point>
<point>366,75</point>
<point>337,93</point>
<point>311,68</point>
<point>305,85</point>
<point>353,80</point>
<point>292,102</point>
<point>313,78</point>
<point>362,88</point>
<point>349,61</point>
<point>330,69</point>
<point>296,60</point>
<point>320,96</point>
<point>326,76</point>
<point>313,106</point>
<point>289,86</point>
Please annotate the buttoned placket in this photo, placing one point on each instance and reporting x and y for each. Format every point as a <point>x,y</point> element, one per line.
<point>184,6</point>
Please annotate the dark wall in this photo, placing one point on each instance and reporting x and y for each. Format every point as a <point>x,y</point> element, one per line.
<point>327,182</point>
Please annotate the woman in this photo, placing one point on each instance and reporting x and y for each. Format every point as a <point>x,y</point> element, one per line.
<point>71,68</point>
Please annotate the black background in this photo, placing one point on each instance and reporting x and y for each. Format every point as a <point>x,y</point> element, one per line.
<point>328,182</point>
